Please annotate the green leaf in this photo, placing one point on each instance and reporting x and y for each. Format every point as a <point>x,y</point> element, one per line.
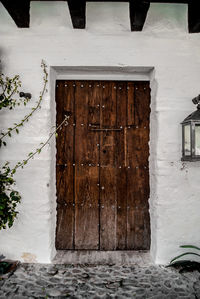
<point>17,131</point>
<point>190,246</point>
<point>186,253</point>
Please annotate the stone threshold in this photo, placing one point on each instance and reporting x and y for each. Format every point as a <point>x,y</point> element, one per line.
<point>93,257</point>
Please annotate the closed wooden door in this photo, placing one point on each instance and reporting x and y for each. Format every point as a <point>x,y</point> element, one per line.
<point>102,165</point>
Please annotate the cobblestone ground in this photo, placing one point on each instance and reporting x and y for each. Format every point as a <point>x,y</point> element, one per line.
<point>102,281</point>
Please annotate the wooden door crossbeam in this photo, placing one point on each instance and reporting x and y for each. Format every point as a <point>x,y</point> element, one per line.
<point>19,11</point>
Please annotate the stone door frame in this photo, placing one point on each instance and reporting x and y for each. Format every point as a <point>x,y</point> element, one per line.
<point>106,73</point>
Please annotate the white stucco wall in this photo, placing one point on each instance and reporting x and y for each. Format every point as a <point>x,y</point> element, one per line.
<point>164,45</point>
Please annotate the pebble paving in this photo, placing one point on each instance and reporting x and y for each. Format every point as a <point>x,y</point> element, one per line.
<point>99,281</point>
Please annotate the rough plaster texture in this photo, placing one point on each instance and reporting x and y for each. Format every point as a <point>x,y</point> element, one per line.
<point>164,46</point>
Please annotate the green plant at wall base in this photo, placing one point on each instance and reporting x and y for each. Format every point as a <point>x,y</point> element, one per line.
<point>176,259</point>
<point>9,199</point>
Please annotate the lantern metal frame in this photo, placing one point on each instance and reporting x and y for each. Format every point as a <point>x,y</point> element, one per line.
<point>193,121</point>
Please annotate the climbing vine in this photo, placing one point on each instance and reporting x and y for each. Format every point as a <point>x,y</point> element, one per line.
<point>9,89</point>
<point>16,126</point>
<point>9,198</point>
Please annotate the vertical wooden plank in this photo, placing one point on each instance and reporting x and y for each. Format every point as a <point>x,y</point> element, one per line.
<point>64,168</point>
<point>108,119</point>
<point>137,196</point>
<point>108,195</point>
<point>65,209</point>
<point>138,228</point>
<point>120,166</point>
<point>108,104</point>
<point>64,106</point>
<point>108,208</point>
<point>141,233</point>
<point>86,141</point>
<point>86,172</point>
<point>87,210</point>
<point>94,100</point>
<point>142,104</point>
<point>130,103</point>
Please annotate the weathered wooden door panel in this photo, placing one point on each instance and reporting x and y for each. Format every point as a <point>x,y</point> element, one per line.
<point>121,167</point>
<point>65,209</point>
<point>102,165</point>
<point>138,229</point>
<point>86,208</point>
<point>86,170</point>
<point>108,199</point>
<point>64,168</point>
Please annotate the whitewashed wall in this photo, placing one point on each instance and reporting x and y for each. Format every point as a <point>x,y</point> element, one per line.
<point>107,41</point>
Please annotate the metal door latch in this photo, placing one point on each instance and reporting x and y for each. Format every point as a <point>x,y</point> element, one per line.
<point>106,129</point>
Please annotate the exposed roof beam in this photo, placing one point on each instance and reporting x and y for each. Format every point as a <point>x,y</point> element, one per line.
<point>138,12</point>
<point>194,17</point>
<point>19,11</point>
<point>77,10</point>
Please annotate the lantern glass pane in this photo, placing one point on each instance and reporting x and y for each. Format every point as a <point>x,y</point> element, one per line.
<point>187,141</point>
<point>197,140</point>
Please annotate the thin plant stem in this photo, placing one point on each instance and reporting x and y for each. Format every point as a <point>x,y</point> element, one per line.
<point>26,118</point>
<point>38,150</point>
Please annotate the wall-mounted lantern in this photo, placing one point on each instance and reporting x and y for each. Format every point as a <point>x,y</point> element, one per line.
<point>191,134</point>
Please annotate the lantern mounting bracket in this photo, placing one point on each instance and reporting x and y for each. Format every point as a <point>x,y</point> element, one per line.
<point>196,101</point>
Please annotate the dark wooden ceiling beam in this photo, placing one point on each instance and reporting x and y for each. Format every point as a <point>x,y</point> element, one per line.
<point>138,12</point>
<point>77,10</point>
<point>19,11</point>
<point>194,17</point>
